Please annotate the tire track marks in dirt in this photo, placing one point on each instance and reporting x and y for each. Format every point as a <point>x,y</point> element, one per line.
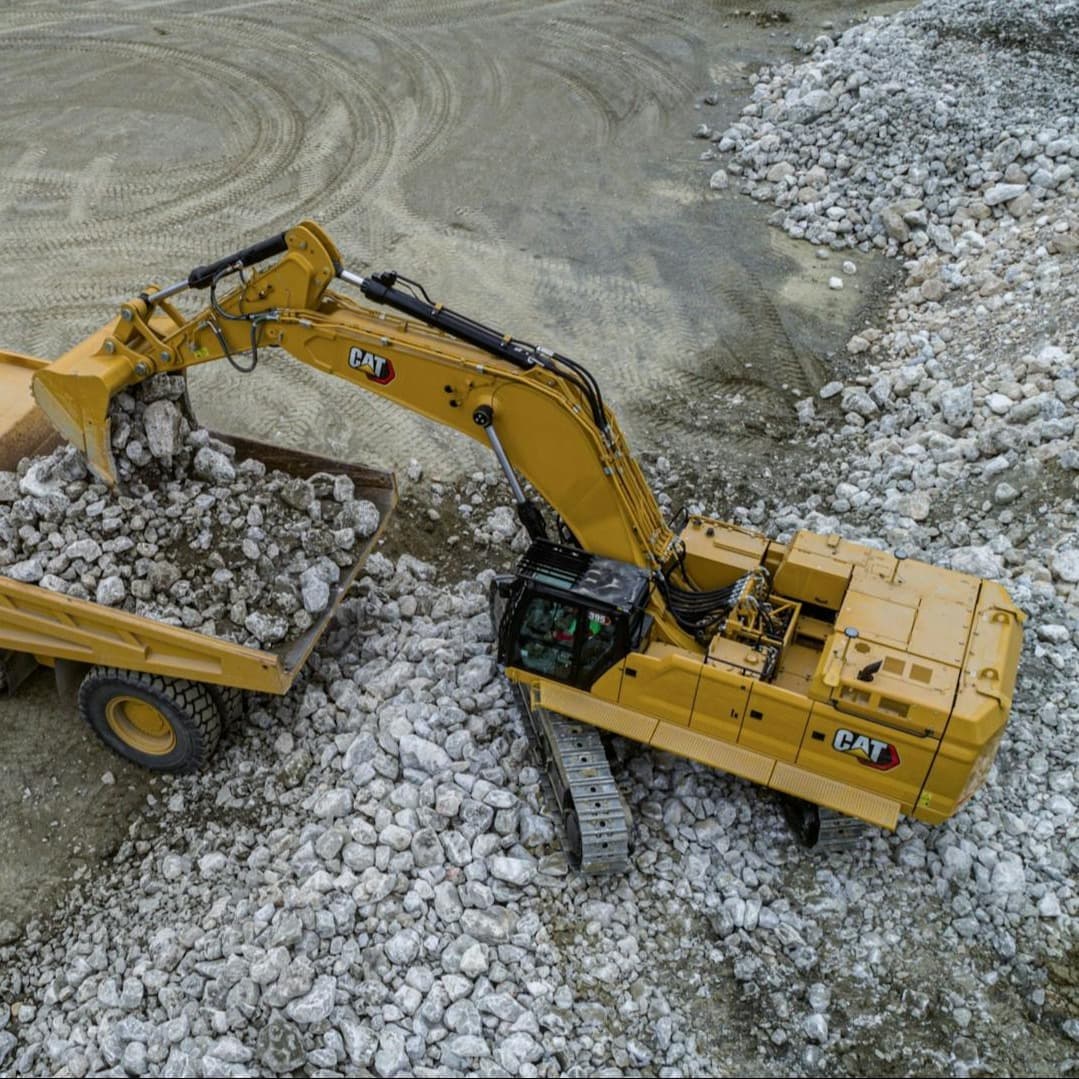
<point>89,188</point>
<point>519,158</point>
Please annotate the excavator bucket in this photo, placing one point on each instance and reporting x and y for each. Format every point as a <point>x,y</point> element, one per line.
<point>75,391</point>
<point>74,394</point>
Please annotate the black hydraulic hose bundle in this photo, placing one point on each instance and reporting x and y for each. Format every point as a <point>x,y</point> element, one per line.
<point>698,612</point>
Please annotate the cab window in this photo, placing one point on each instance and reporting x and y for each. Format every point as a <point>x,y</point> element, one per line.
<point>566,642</point>
<point>599,647</point>
<point>545,642</point>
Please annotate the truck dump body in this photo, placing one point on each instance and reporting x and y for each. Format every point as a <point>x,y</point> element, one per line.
<point>52,626</point>
<point>24,428</point>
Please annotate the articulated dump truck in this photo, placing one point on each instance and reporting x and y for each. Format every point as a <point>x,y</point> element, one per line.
<point>161,692</point>
<point>858,684</point>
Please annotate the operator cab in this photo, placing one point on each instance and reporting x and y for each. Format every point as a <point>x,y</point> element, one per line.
<point>568,615</point>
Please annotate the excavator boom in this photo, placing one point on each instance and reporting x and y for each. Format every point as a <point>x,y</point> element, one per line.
<point>540,412</point>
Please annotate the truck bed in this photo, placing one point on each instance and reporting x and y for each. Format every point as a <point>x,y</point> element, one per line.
<point>24,429</point>
<point>52,626</point>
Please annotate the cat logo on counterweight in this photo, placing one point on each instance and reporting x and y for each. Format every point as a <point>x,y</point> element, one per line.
<point>868,751</point>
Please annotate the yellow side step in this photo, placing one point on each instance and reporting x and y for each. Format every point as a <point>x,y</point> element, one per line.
<point>723,755</point>
<point>737,760</point>
<point>838,796</point>
<point>600,713</point>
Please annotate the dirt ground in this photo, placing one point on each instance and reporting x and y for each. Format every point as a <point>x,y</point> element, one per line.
<point>530,162</point>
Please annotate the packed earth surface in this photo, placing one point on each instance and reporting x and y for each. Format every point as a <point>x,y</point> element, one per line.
<point>368,878</point>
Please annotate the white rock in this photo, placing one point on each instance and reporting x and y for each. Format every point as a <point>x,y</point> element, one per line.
<point>211,465</point>
<point>420,753</point>
<point>267,628</point>
<point>468,1046</point>
<point>512,870</point>
<point>977,561</point>
<point>856,400</point>
<point>403,947</point>
<point>1065,565</point>
<point>360,1041</point>
<point>1009,876</point>
<point>42,479</point>
<point>333,804</point>
<point>88,549</point>
<point>957,405</point>
<point>1049,906</point>
<point>999,193</point>
<point>315,593</point>
<point>162,423</point>
<point>110,591</point>
<point>29,571</point>
<point>915,504</point>
<point>316,1004</point>
<point>362,516</point>
<point>213,863</point>
<point>391,1059</point>
<point>473,961</point>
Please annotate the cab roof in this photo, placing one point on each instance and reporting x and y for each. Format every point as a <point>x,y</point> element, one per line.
<point>591,578</point>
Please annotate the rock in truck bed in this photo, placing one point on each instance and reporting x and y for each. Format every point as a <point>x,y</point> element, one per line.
<point>192,536</point>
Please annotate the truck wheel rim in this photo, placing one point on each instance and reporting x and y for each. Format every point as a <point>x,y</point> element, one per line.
<point>138,724</point>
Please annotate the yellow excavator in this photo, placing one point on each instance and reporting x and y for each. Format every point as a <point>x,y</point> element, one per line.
<point>857,682</point>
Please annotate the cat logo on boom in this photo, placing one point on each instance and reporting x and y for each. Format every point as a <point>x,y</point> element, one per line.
<point>868,751</point>
<point>376,368</point>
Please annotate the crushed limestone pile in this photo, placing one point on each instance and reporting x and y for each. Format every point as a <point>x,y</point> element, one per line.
<point>907,132</point>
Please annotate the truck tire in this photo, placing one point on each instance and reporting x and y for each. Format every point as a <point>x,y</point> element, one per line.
<point>231,701</point>
<point>165,724</point>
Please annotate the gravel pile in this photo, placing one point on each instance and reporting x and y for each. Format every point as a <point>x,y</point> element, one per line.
<point>192,537</point>
<point>911,130</point>
<point>368,879</point>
